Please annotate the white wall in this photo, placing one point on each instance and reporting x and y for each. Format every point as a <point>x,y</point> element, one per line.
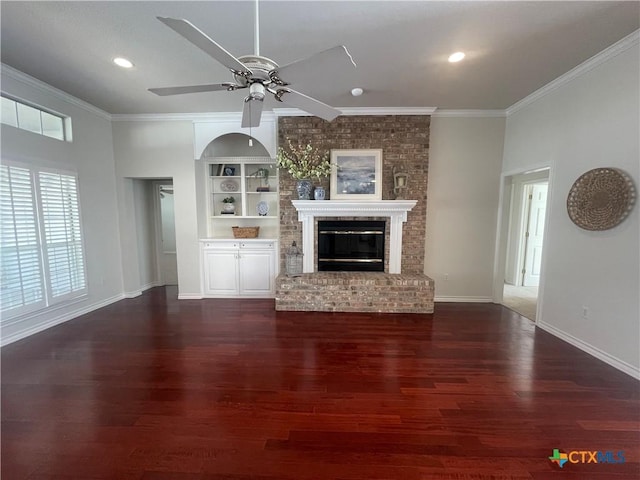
<point>91,156</point>
<point>144,193</point>
<point>159,149</point>
<point>465,157</point>
<point>590,121</point>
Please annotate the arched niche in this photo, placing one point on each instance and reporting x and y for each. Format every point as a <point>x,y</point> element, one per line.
<point>234,145</point>
<point>207,131</point>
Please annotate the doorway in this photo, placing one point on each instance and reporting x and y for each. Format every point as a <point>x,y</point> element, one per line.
<point>525,242</point>
<point>165,233</point>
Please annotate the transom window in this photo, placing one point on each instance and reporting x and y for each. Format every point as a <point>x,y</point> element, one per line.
<point>34,119</point>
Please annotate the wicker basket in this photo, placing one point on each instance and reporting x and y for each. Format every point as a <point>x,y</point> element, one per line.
<point>245,232</point>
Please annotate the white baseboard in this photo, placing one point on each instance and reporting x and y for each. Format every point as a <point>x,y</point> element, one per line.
<point>150,285</point>
<point>189,296</point>
<point>137,293</point>
<point>591,350</point>
<point>33,329</point>
<point>463,299</point>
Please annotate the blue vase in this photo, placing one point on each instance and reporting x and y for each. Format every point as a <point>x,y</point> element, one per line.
<point>319,193</point>
<point>304,187</point>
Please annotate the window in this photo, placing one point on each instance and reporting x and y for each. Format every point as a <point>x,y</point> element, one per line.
<point>33,119</point>
<point>20,255</point>
<point>41,239</point>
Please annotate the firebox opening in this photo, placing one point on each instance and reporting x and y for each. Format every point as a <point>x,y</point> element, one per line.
<point>351,245</point>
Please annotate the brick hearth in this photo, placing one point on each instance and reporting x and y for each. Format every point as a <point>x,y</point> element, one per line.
<point>355,292</point>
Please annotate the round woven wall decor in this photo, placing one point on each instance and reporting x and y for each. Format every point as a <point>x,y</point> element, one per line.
<point>601,198</point>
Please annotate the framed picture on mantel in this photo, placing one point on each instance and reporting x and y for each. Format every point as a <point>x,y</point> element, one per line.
<point>356,175</point>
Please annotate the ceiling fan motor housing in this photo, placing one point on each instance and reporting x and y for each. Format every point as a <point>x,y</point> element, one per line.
<point>259,67</point>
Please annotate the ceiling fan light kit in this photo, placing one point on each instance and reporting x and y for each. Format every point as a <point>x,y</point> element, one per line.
<point>260,74</point>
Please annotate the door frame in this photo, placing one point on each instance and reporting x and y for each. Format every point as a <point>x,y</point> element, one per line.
<point>504,223</point>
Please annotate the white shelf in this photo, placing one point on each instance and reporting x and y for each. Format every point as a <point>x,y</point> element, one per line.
<point>246,198</point>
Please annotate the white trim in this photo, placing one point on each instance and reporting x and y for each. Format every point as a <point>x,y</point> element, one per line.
<point>470,113</point>
<point>396,210</point>
<point>191,296</point>
<point>598,59</point>
<point>351,111</point>
<point>48,89</point>
<point>463,299</point>
<point>216,117</point>
<point>57,320</point>
<point>151,285</point>
<point>143,288</point>
<point>277,112</point>
<point>591,350</point>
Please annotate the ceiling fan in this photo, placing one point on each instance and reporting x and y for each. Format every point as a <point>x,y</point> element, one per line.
<point>260,74</point>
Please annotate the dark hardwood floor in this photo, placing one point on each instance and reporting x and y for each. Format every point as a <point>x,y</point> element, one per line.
<point>154,388</point>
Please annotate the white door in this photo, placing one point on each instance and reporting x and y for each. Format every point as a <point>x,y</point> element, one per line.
<point>166,252</point>
<point>535,233</point>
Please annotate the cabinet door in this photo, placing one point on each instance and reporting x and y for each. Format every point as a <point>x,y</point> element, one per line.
<point>257,273</point>
<point>221,272</point>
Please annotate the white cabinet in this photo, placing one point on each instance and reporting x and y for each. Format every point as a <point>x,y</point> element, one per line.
<point>239,268</point>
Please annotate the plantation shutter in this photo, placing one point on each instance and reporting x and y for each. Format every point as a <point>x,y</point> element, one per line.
<point>21,267</point>
<point>62,234</point>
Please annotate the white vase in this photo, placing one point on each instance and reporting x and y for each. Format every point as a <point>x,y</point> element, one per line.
<point>228,207</point>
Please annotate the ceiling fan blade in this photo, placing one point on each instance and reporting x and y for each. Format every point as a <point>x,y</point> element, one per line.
<point>206,44</point>
<point>331,60</point>
<point>214,87</point>
<point>251,112</point>
<point>308,104</point>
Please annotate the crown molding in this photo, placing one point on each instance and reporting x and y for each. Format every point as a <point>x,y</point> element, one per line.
<point>33,82</point>
<point>352,111</point>
<point>188,117</point>
<point>598,59</point>
<point>470,113</point>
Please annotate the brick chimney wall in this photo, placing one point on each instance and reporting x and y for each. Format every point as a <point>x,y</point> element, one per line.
<point>404,140</point>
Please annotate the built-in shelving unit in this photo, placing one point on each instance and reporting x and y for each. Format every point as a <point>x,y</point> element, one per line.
<point>252,182</point>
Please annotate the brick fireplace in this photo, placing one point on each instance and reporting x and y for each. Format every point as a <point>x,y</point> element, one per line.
<point>403,287</point>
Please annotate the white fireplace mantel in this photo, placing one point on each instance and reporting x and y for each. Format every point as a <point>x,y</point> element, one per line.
<point>396,210</point>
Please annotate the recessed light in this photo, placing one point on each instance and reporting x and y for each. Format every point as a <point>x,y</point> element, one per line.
<point>456,57</point>
<point>122,62</point>
<point>356,92</point>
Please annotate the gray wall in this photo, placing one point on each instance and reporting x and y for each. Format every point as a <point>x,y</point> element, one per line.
<point>158,149</point>
<point>91,156</point>
<point>462,204</point>
<point>588,122</point>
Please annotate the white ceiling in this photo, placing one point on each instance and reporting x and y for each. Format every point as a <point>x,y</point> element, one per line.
<point>513,48</point>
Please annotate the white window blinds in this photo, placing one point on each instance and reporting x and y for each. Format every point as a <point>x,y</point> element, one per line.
<point>41,239</point>
<point>22,282</point>
<point>62,233</point>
